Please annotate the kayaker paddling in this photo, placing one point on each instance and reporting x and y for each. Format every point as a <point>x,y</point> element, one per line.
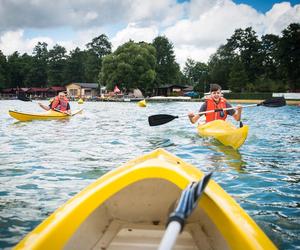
<point>216,102</point>
<point>60,103</point>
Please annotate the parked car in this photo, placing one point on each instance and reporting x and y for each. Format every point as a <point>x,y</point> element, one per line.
<point>192,94</point>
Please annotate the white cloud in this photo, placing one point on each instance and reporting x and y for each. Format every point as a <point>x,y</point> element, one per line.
<point>12,41</point>
<point>280,16</point>
<point>135,33</point>
<point>196,28</point>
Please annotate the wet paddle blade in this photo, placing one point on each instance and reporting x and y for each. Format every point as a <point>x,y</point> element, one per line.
<point>156,120</point>
<point>23,98</point>
<point>273,102</point>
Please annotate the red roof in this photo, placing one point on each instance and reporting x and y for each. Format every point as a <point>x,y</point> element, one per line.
<point>58,88</point>
<point>31,90</point>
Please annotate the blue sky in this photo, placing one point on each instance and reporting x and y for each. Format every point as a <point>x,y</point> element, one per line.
<point>196,28</point>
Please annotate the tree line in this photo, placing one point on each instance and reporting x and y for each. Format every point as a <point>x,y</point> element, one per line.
<point>245,63</point>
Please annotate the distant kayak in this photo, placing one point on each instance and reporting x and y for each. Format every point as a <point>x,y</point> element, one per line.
<point>47,115</point>
<point>225,132</point>
<point>142,103</point>
<point>128,208</point>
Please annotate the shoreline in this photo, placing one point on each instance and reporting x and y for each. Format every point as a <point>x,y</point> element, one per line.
<point>166,99</point>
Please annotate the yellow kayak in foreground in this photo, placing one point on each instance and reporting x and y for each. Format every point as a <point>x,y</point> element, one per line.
<point>47,115</point>
<point>225,132</point>
<point>128,207</point>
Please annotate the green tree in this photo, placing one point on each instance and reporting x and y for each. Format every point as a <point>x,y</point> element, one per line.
<point>131,66</point>
<point>238,79</point>
<point>245,44</point>
<point>219,66</point>
<point>269,50</point>
<point>3,71</point>
<point>289,55</point>
<point>100,46</point>
<point>197,74</point>
<point>56,65</point>
<point>37,76</point>
<point>74,69</point>
<point>97,49</point>
<point>16,73</point>
<point>167,70</point>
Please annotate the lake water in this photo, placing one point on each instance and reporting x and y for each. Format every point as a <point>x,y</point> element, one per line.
<point>45,163</point>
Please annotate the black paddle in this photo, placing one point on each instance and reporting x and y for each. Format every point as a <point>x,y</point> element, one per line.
<point>155,120</point>
<point>187,203</point>
<point>23,97</point>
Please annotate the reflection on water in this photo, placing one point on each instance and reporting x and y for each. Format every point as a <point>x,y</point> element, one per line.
<point>45,163</point>
<point>227,154</point>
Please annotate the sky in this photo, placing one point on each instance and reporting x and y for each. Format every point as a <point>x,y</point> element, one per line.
<point>196,28</point>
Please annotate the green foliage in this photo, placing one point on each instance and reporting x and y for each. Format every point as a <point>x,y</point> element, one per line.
<point>244,63</point>
<point>167,70</point>
<point>131,66</point>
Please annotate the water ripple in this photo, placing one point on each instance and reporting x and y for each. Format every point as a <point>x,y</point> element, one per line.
<point>45,163</point>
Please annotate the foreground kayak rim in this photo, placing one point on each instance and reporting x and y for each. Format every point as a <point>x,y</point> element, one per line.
<point>47,115</point>
<point>225,132</point>
<point>128,208</point>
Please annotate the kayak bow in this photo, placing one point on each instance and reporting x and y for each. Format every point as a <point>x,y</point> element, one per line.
<point>47,115</point>
<point>225,132</point>
<point>128,208</point>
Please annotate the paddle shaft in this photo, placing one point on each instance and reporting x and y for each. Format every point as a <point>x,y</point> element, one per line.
<point>218,110</point>
<point>170,236</point>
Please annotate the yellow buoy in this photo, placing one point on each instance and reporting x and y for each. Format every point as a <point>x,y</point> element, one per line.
<point>80,101</point>
<point>142,103</point>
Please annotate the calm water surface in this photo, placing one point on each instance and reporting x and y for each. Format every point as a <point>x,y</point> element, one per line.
<point>45,163</point>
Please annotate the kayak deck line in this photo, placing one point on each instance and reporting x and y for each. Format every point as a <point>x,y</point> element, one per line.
<point>128,207</point>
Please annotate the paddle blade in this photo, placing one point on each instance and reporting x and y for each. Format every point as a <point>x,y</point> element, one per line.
<point>155,120</point>
<point>23,97</point>
<point>273,102</point>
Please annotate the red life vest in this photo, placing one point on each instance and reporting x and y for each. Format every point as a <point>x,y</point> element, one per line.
<point>61,104</point>
<point>212,105</point>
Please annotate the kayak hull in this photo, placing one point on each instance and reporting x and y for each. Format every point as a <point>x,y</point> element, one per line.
<point>225,132</point>
<point>48,115</point>
<point>128,208</point>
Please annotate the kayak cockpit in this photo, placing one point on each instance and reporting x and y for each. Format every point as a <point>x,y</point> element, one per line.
<point>135,218</point>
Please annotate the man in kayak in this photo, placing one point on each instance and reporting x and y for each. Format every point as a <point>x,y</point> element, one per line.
<point>216,101</point>
<point>60,103</point>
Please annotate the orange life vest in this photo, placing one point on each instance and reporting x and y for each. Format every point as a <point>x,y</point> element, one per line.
<point>61,104</point>
<point>212,105</point>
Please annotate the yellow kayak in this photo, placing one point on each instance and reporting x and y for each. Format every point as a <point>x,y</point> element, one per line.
<point>225,132</point>
<point>47,115</point>
<point>128,207</point>
<point>142,103</point>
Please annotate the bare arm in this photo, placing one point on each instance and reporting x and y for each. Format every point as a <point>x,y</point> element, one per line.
<point>193,118</point>
<point>238,113</point>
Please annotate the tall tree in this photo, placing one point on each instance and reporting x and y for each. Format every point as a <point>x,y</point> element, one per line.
<point>56,65</point>
<point>74,70</point>
<point>269,50</point>
<point>3,71</point>
<point>167,70</point>
<point>97,49</point>
<point>131,66</point>
<point>100,46</point>
<point>289,54</point>
<point>245,44</point>
<point>38,73</point>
